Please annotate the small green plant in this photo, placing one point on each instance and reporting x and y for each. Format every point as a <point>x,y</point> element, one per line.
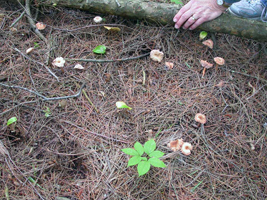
<point>47,111</point>
<point>179,2</point>
<point>11,121</point>
<point>121,104</point>
<point>203,35</point>
<point>36,45</point>
<point>101,49</point>
<point>144,163</point>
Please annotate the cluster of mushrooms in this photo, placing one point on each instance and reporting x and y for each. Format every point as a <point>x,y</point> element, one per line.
<point>186,147</point>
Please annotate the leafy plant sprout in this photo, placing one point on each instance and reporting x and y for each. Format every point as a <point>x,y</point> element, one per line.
<point>144,163</point>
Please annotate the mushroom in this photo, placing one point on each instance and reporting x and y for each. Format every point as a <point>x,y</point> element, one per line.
<point>218,61</point>
<point>98,19</point>
<point>206,65</point>
<point>200,118</point>
<point>186,148</point>
<point>169,65</point>
<point>59,62</point>
<point>176,144</point>
<point>40,26</point>
<point>156,55</point>
<point>208,43</point>
<point>78,66</point>
<point>29,50</point>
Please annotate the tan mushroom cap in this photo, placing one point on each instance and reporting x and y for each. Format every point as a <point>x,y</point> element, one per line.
<point>176,144</point>
<point>208,43</point>
<point>200,118</point>
<point>206,64</point>
<point>186,148</point>
<point>40,26</point>
<point>219,60</point>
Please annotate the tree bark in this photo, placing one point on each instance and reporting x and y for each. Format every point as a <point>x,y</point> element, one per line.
<point>163,13</point>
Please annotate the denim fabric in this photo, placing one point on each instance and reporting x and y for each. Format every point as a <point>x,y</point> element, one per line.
<point>264,2</point>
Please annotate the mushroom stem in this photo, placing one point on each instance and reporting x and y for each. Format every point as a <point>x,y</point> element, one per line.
<point>216,67</point>
<point>203,72</point>
<point>62,70</point>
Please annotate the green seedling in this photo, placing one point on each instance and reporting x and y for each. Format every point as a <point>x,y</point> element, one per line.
<point>36,45</point>
<point>179,2</point>
<point>101,49</point>
<point>203,35</point>
<point>144,163</point>
<point>47,111</point>
<point>11,121</point>
<point>121,104</point>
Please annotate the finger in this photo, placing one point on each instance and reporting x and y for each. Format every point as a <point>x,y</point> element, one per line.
<point>191,21</point>
<point>183,20</point>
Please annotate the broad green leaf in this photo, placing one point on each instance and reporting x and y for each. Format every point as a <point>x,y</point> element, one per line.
<point>139,148</point>
<point>143,167</point>
<point>121,104</point>
<point>156,162</point>
<point>156,154</point>
<point>134,160</point>
<point>11,120</point>
<point>177,2</point>
<point>144,158</point>
<point>150,146</point>
<point>130,151</point>
<point>101,49</point>
<point>202,35</point>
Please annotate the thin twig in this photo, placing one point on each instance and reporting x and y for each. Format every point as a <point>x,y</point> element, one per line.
<point>25,56</point>
<point>43,97</point>
<point>90,101</point>
<point>101,61</point>
<point>32,24</point>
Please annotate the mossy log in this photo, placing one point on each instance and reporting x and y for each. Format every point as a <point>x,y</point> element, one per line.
<point>163,13</point>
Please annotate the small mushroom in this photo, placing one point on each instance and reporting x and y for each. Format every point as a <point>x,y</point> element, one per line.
<point>186,148</point>
<point>169,65</point>
<point>79,67</point>
<point>40,26</point>
<point>200,118</point>
<point>98,19</point>
<point>156,55</point>
<point>206,66</point>
<point>218,61</point>
<point>29,50</point>
<point>208,43</point>
<point>59,62</point>
<point>176,144</point>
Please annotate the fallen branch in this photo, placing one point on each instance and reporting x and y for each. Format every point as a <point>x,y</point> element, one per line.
<point>43,97</point>
<point>101,61</point>
<point>35,61</point>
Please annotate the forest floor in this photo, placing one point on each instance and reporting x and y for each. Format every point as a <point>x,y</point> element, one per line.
<point>71,148</point>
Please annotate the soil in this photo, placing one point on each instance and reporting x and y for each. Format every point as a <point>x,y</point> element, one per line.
<point>70,147</point>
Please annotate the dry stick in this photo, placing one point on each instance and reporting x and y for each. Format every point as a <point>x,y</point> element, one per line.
<point>91,132</point>
<point>32,24</point>
<point>43,97</point>
<point>101,61</point>
<point>89,100</point>
<point>37,63</point>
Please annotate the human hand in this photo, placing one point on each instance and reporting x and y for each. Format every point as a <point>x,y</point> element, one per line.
<point>196,12</point>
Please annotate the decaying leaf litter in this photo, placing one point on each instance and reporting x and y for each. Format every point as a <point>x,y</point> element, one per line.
<point>71,147</point>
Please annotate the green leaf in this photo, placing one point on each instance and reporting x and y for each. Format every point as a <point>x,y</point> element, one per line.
<point>11,121</point>
<point>47,112</point>
<point>134,161</point>
<point>101,49</point>
<point>143,167</point>
<point>150,146</point>
<point>156,162</point>
<point>144,158</point>
<point>139,148</point>
<point>202,35</point>
<point>177,2</point>
<point>156,154</point>
<point>130,151</point>
<point>121,104</point>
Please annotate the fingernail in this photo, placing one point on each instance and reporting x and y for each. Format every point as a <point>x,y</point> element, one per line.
<point>176,26</point>
<point>174,20</point>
